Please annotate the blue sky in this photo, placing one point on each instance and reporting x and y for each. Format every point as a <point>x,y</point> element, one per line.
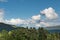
<point>25,9</point>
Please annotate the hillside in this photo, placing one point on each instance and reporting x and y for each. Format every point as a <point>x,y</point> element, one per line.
<point>53,28</point>
<point>7,27</point>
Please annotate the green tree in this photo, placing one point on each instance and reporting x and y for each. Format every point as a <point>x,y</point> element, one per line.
<point>42,34</point>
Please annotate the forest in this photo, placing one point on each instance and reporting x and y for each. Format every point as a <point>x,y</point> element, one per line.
<point>22,33</point>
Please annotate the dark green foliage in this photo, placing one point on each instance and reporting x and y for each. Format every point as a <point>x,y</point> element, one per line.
<point>7,27</point>
<point>42,34</point>
<point>22,33</point>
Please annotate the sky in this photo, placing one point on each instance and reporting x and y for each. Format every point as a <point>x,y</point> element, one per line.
<point>32,13</point>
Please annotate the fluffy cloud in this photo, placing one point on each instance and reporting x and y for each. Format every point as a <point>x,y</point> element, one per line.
<point>12,21</point>
<point>15,21</point>
<point>36,17</point>
<point>45,24</point>
<point>38,25</point>
<point>49,13</point>
<point>35,20</point>
<point>3,0</point>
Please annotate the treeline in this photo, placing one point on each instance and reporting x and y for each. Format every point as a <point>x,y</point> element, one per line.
<point>28,34</point>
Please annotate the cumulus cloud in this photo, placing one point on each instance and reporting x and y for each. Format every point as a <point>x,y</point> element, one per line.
<point>3,0</point>
<point>38,25</point>
<point>49,13</point>
<point>15,21</point>
<point>35,20</point>
<point>36,17</point>
<point>45,24</point>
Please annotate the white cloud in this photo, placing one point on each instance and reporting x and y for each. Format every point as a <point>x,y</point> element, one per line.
<point>15,21</point>
<point>3,0</point>
<point>1,15</point>
<point>49,13</point>
<point>45,24</point>
<point>34,21</point>
<point>36,17</point>
<point>38,25</point>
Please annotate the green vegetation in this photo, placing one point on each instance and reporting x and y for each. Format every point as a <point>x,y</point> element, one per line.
<point>28,34</point>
